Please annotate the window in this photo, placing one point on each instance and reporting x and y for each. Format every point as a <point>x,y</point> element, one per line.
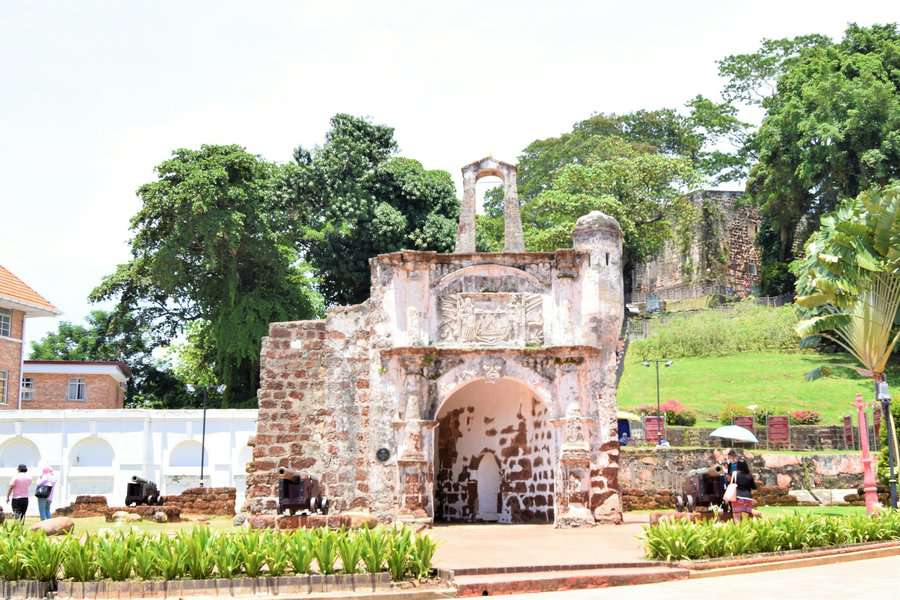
<point>5,322</point>
<point>3,378</point>
<point>27,388</point>
<point>76,390</point>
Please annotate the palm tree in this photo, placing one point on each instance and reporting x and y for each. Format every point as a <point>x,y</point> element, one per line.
<point>850,275</point>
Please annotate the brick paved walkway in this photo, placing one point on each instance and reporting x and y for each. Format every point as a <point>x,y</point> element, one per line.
<point>473,546</point>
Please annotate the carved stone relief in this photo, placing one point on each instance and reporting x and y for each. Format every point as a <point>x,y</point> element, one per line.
<point>491,319</point>
<point>492,368</point>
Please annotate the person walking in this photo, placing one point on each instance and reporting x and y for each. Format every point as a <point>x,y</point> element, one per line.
<point>44,491</point>
<point>742,505</point>
<point>18,492</point>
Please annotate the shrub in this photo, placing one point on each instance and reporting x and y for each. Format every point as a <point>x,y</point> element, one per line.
<point>682,540</point>
<point>760,414</point>
<point>677,414</point>
<point>745,328</point>
<point>730,411</point>
<point>805,417</point>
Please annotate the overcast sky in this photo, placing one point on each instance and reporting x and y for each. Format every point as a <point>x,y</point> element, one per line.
<point>94,94</point>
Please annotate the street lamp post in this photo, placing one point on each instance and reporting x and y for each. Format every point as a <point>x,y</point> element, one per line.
<point>884,397</point>
<point>667,363</point>
<point>219,389</point>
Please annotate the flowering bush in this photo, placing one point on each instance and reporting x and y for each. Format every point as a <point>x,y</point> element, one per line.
<point>805,417</point>
<point>677,414</point>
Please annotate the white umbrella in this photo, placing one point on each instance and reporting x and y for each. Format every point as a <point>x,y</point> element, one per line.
<point>624,414</point>
<point>734,432</point>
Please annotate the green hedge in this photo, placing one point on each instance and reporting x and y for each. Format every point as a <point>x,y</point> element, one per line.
<point>747,327</point>
<point>682,540</point>
<point>199,554</point>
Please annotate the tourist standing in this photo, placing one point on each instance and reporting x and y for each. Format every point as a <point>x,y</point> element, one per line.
<point>742,505</point>
<point>18,492</point>
<point>44,491</point>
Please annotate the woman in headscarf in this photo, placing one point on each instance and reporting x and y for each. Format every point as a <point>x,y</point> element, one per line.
<point>44,491</point>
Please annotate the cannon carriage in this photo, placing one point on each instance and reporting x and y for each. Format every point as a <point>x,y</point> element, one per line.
<point>141,491</point>
<point>298,493</point>
<point>702,489</point>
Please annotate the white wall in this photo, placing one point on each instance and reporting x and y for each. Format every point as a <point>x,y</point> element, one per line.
<point>96,452</point>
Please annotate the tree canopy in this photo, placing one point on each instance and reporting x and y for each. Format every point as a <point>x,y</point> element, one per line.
<point>212,241</point>
<point>831,127</point>
<point>355,199</point>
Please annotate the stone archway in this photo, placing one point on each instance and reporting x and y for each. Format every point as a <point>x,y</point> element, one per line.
<point>489,430</point>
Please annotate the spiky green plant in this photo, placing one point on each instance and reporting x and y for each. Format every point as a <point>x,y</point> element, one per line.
<point>350,550</point>
<point>423,555</point>
<point>197,550</point>
<point>398,555</point>
<point>114,556</point>
<point>227,556</point>
<point>276,552</point>
<point>12,551</point>
<point>252,552</point>
<point>43,557</point>
<point>145,560</point>
<point>170,557</point>
<point>300,551</point>
<point>374,549</point>
<point>325,549</point>
<point>79,560</point>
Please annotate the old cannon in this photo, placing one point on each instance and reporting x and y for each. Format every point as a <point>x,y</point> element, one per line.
<point>702,488</point>
<point>140,491</point>
<point>299,493</point>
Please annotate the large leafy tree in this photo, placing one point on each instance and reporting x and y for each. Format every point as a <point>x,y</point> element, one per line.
<point>212,241</point>
<point>643,190</point>
<point>126,339</point>
<point>831,127</point>
<point>698,134</point>
<point>356,199</point>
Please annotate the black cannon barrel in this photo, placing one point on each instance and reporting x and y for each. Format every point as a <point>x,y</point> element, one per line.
<point>285,473</point>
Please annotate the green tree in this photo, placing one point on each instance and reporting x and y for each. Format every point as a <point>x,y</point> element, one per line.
<point>850,275</point>
<point>698,135</point>
<point>212,241</point>
<point>121,338</point>
<point>831,127</point>
<point>643,190</point>
<point>356,200</point>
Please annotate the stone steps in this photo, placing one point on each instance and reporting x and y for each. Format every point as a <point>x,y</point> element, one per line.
<point>484,582</point>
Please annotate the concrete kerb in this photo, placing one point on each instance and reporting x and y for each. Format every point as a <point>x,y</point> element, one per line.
<point>793,559</point>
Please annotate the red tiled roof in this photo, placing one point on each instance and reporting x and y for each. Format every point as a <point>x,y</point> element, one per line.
<point>13,288</point>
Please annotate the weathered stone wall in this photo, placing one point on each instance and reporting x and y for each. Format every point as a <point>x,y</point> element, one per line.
<point>354,401</point>
<point>653,470</point>
<point>803,437</point>
<point>722,258</point>
<point>204,501</point>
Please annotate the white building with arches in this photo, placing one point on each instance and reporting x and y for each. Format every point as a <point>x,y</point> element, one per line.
<point>96,452</point>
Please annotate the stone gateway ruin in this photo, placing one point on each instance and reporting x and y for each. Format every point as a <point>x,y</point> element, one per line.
<point>469,387</point>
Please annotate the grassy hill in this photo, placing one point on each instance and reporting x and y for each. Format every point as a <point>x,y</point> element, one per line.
<point>770,379</point>
<point>745,355</point>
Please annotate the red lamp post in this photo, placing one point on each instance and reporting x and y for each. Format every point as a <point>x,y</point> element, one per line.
<point>871,491</point>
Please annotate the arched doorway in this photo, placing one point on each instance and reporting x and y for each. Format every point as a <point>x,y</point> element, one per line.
<point>494,455</point>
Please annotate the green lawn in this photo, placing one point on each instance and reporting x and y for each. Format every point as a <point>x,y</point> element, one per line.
<point>771,379</point>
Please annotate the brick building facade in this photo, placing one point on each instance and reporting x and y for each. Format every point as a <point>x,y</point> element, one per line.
<point>41,384</point>
<point>18,302</point>
<point>68,384</point>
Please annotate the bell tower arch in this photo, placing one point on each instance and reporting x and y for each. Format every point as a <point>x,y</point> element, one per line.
<point>513,240</point>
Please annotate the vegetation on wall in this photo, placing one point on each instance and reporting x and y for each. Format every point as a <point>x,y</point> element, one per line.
<point>745,327</point>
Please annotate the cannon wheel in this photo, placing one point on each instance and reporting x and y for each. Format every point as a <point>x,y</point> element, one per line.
<point>691,503</point>
<point>679,503</point>
<point>323,505</point>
